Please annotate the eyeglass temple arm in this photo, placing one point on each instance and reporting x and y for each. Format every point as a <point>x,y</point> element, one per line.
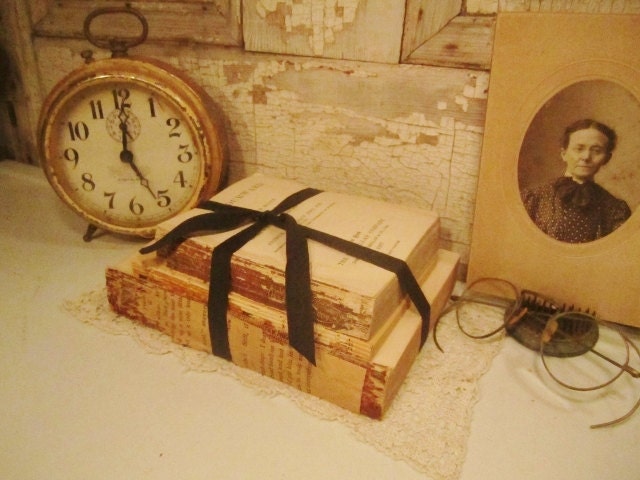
<point>485,299</point>
<point>551,329</point>
<point>630,370</point>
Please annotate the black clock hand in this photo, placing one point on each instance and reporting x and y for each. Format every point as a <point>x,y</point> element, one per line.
<point>127,157</point>
<point>125,132</point>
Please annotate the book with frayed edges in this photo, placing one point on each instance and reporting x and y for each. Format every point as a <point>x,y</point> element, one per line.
<point>367,332</point>
<point>361,376</point>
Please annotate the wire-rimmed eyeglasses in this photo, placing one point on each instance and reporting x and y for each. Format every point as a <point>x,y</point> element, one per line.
<point>578,350</point>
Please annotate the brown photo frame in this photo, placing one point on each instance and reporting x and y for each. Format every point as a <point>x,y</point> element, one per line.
<point>548,71</point>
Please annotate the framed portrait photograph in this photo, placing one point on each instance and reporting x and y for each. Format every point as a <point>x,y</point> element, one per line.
<point>557,208</point>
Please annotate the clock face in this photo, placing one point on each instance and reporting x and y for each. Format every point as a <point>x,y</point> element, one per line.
<point>126,151</point>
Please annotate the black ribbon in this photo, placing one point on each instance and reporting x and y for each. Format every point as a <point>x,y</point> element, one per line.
<point>299,309</point>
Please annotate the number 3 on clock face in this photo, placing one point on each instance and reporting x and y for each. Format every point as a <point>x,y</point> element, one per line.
<point>129,150</point>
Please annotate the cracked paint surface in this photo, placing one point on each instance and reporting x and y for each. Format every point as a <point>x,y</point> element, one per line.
<point>320,20</point>
<point>368,130</point>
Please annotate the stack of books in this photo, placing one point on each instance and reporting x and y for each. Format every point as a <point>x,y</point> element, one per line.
<point>366,330</point>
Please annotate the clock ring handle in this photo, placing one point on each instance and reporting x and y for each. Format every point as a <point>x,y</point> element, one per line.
<point>117,45</point>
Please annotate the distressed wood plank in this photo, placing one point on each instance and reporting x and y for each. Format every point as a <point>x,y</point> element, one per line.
<point>481,7</point>
<point>424,19</point>
<point>344,29</point>
<point>20,90</point>
<point>211,22</point>
<point>465,42</point>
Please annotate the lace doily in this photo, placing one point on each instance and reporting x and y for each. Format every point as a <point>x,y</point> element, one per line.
<point>427,425</point>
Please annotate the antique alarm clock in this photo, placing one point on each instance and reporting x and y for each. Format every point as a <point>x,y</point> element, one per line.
<point>128,142</point>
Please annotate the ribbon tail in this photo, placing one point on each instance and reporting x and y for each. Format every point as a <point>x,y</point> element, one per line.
<point>220,286</point>
<point>410,285</point>
<point>300,312</point>
<point>218,302</point>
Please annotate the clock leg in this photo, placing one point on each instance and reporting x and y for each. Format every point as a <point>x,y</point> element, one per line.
<point>88,235</point>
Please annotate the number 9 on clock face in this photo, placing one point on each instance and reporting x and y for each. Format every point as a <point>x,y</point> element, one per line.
<point>129,146</point>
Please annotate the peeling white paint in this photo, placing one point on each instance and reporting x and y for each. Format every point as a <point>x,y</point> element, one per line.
<point>321,19</point>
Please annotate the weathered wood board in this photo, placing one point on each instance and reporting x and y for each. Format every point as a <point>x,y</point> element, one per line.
<point>424,19</point>
<point>465,42</point>
<point>367,30</point>
<point>216,22</point>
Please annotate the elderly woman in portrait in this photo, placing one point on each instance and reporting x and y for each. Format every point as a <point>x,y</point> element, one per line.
<point>574,208</point>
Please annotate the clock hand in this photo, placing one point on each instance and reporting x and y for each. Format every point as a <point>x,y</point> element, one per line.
<point>126,156</point>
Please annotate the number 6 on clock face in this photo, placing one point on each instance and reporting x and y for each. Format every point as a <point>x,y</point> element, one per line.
<point>129,143</point>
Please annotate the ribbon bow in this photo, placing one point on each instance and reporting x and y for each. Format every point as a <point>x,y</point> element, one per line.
<point>299,309</point>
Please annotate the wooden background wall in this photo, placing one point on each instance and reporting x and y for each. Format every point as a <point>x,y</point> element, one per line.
<point>374,97</point>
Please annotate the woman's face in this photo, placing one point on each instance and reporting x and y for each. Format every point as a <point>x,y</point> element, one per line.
<point>586,153</point>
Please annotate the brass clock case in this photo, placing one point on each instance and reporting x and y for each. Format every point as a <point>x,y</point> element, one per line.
<point>130,142</point>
